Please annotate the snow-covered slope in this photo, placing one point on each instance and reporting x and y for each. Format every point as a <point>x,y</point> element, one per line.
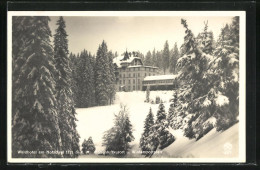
<point>96,120</point>
<point>212,145</point>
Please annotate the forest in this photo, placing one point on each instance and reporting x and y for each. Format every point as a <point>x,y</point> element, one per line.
<point>49,83</point>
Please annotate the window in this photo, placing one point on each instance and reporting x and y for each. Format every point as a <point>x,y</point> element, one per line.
<point>134,75</point>
<point>144,74</point>
<point>129,75</point>
<point>120,75</point>
<point>129,88</point>
<point>138,81</point>
<point>138,68</point>
<point>154,74</point>
<point>134,69</point>
<point>149,74</point>
<point>124,75</point>
<point>124,81</point>
<point>129,81</point>
<point>138,74</point>
<point>134,81</point>
<point>120,81</point>
<point>145,69</point>
<point>133,87</point>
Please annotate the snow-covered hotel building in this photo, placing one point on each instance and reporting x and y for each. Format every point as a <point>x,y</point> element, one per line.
<point>132,75</point>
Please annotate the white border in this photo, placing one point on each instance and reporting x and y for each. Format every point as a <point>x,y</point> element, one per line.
<point>242,87</point>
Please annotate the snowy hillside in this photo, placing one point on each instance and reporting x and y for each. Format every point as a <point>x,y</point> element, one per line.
<point>95,121</point>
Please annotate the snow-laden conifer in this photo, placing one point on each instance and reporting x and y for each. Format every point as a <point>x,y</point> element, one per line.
<point>85,80</point>
<point>102,75</point>
<point>64,95</point>
<point>35,125</point>
<point>146,142</point>
<point>161,134</point>
<point>118,137</point>
<point>173,59</point>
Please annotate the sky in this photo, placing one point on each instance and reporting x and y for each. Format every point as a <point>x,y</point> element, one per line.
<point>134,33</point>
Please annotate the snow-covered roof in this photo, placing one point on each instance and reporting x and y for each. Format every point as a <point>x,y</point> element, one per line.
<point>142,66</point>
<point>119,60</point>
<point>160,77</point>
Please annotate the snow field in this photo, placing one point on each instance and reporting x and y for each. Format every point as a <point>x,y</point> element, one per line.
<point>95,121</point>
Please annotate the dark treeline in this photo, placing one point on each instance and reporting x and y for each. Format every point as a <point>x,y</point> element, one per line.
<point>93,77</point>
<point>165,59</point>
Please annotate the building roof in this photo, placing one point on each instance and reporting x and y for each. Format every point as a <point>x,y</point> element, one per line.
<point>160,77</point>
<point>142,66</point>
<point>119,60</point>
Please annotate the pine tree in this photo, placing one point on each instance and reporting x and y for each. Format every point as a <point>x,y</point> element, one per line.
<point>174,114</point>
<point>174,58</point>
<point>84,147</point>
<point>194,72</point>
<point>171,115</point>
<point>35,125</point>
<point>225,72</point>
<point>20,28</point>
<point>154,59</point>
<point>90,147</point>
<point>159,60</point>
<point>146,142</point>
<point>64,94</point>
<point>120,135</point>
<point>85,80</point>
<point>161,128</point>
<point>73,65</point>
<point>205,40</point>
<point>165,57</point>
<point>111,91</point>
<point>102,76</point>
<point>148,59</point>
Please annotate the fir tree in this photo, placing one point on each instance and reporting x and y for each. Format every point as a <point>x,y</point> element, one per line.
<point>73,66</point>
<point>102,77</point>
<point>161,128</point>
<point>174,58</point>
<point>148,59</point>
<point>154,59</point>
<point>159,59</point>
<point>225,72</point>
<point>165,57</point>
<point>90,147</point>
<point>64,94</point>
<point>20,28</point>
<point>85,80</point>
<point>35,126</point>
<point>84,146</point>
<point>171,115</point>
<point>146,142</point>
<point>120,135</point>
<point>193,71</point>
<point>174,112</point>
<point>205,40</point>
<point>111,91</point>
